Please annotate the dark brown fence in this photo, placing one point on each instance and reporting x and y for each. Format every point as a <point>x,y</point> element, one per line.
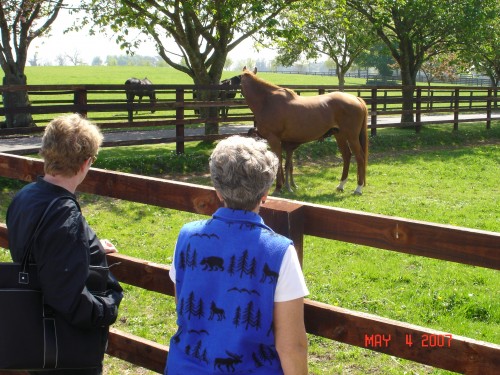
<point>106,105</point>
<point>295,220</point>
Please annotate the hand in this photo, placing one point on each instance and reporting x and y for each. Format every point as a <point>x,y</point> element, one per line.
<point>108,247</point>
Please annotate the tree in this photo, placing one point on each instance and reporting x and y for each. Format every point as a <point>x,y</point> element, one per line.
<point>96,61</point>
<point>75,58</point>
<point>20,23</point>
<point>61,60</point>
<point>416,30</point>
<point>482,49</point>
<point>377,56</point>
<point>205,31</point>
<point>444,67</point>
<point>316,28</point>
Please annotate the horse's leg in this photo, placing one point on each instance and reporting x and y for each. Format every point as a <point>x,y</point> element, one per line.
<point>289,149</point>
<point>359,154</point>
<point>346,158</point>
<point>130,103</point>
<point>275,144</point>
<point>288,166</point>
<point>138,103</point>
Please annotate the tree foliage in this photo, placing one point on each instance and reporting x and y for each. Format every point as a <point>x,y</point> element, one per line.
<point>416,30</point>
<point>482,47</point>
<point>313,28</point>
<point>203,32</point>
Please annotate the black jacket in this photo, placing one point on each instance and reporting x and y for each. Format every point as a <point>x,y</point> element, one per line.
<point>63,252</point>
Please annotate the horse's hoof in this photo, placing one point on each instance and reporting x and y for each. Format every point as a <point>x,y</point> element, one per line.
<point>340,190</point>
<point>355,192</point>
<point>276,192</point>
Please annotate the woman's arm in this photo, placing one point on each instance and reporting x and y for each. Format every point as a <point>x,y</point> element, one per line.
<point>290,334</point>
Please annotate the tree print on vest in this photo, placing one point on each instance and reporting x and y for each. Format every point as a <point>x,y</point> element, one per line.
<point>248,317</point>
<point>197,352</point>
<point>242,265</point>
<point>265,354</point>
<point>191,308</point>
<point>187,259</point>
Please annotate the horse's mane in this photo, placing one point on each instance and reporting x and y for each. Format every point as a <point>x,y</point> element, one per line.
<point>268,85</point>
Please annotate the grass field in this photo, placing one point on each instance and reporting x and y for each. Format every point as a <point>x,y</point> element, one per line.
<point>87,75</point>
<point>436,175</point>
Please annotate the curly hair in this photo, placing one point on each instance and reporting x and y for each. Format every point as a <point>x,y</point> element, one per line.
<point>67,142</point>
<point>242,170</point>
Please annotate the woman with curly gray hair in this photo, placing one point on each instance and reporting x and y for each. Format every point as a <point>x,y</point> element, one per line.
<point>239,286</point>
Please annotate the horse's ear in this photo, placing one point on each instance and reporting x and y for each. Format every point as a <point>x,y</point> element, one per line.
<point>244,68</point>
<point>255,70</point>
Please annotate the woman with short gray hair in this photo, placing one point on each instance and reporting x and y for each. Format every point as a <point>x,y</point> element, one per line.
<point>239,286</point>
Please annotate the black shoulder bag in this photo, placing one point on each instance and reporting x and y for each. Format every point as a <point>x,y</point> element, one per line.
<point>32,335</point>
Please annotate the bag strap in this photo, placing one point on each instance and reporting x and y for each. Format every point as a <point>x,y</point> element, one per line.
<point>23,275</point>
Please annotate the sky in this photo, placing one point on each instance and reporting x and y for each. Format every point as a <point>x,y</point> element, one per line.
<point>88,47</point>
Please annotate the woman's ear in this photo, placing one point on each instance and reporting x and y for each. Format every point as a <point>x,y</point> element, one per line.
<point>264,198</point>
<point>219,196</point>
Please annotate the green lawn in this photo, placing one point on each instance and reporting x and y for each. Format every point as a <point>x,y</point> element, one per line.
<point>437,175</point>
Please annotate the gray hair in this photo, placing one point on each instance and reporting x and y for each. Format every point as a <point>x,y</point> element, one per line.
<point>243,170</point>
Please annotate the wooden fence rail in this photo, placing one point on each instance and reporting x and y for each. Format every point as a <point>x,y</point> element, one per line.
<point>297,219</point>
<point>106,104</point>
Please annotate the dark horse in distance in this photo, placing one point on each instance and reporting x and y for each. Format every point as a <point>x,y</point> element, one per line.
<point>139,87</point>
<point>228,92</point>
<point>287,120</point>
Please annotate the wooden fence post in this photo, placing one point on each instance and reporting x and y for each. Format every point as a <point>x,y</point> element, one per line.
<point>80,101</point>
<point>286,218</point>
<point>489,99</point>
<point>179,116</point>
<point>418,111</point>
<point>374,112</point>
<point>456,109</point>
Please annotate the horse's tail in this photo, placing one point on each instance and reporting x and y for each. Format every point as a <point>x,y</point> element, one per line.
<point>363,134</point>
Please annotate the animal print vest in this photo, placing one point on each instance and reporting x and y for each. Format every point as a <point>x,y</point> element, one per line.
<point>226,273</point>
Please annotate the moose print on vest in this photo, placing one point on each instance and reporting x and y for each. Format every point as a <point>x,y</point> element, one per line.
<point>228,362</point>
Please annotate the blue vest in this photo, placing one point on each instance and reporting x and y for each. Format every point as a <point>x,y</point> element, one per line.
<point>226,274</point>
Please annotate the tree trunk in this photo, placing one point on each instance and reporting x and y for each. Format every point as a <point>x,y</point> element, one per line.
<point>408,89</point>
<point>209,114</point>
<point>16,99</point>
<point>341,77</point>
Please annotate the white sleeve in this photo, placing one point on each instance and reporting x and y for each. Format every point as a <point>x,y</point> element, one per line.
<point>171,273</point>
<point>291,284</point>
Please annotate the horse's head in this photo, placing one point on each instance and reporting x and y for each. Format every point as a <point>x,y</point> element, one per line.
<point>246,71</point>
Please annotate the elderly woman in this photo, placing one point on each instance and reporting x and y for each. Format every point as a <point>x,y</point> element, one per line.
<point>66,246</point>
<point>239,285</point>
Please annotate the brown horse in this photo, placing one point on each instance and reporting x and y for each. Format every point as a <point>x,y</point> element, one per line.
<point>287,120</point>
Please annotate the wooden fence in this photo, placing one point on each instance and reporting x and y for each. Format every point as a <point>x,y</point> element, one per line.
<point>106,105</point>
<point>295,220</point>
